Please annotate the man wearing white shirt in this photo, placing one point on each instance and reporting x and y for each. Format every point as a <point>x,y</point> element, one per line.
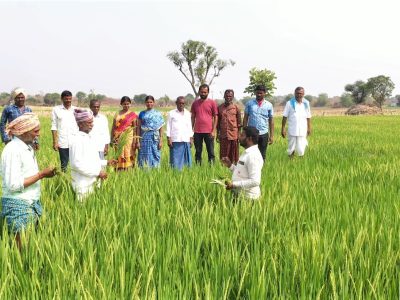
<point>86,165</point>
<point>298,115</point>
<point>180,135</point>
<point>100,133</point>
<point>246,177</point>
<point>63,127</point>
<point>21,176</point>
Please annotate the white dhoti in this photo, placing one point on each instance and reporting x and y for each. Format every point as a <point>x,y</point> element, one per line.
<point>298,144</point>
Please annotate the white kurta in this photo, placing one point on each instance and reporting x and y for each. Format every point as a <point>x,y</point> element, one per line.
<point>100,132</point>
<point>18,162</point>
<point>297,117</point>
<point>179,126</point>
<point>85,164</point>
<point>63,121</point>
<point>246,176</point>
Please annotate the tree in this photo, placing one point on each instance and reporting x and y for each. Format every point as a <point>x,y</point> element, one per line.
<point>264,77</point>
<point>52,99</point>
<point>139,99</point>
<point>358,91</point>
<point>198,63</point>
<point>346,100</point>
<point>81,98</point>
<point>164,101</point>
<point>398,99</point>
<point>381,88</point>
<point>189,99</point>
<point>322,100</point>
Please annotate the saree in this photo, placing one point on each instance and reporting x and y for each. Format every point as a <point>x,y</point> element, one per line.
<point>125,124</point>
<point>151,122</point>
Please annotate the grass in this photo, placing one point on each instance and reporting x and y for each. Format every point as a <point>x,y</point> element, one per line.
<point>327,227</point>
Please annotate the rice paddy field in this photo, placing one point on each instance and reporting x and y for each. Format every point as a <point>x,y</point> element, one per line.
<point>327,227</point>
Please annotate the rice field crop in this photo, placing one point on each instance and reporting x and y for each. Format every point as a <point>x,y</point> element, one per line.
<point>327,227</point>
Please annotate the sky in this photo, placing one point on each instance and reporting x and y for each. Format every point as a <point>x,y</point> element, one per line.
<point>119,48</point>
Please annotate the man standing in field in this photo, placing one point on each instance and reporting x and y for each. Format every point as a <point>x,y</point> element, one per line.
<point>228,128</point>
<point>13,111</point>
<point>298,114</point>
<point>246,176</point>
<point>86,165</point>
<point>63,127</point>
<point>100,133</point>
<point>259,113</point>
<point>180,135</point>
<point>21,176</point>
<point>204,121</point>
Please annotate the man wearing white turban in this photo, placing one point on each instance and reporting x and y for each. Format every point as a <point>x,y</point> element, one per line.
<point>13,111</point>
<point>86,165</point>
<point>21,176</point>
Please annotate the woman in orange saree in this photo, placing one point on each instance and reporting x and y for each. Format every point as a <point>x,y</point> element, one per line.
<point>124,130</point>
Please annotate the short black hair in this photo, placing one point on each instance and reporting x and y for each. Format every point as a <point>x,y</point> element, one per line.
<point>93,101</point>
<point>299,88</point>
<point>124,99</point>
<point>149,97</point>
<point>204,86</point>
<point>229,91</point>
<point>179,98</point>
<point>251,132</point>
<point>66,94</point>
<point>260,87</point>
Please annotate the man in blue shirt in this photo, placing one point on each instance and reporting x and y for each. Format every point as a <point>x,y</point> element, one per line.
<point>259,113</point>
<point>13,111</point>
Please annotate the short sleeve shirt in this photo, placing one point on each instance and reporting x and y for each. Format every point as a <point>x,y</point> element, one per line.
<point>204,111</point>
<point>259,114</point>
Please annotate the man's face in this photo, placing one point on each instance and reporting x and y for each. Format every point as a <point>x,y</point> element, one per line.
<point>203,93</point>
<point>299,94</point>
<point>95,108</point>
<point>86,126</point>
<point>228,97</point>
<point>180,104</point>
<point>29,136</point>
<point>19,100</point>
<point>260,95</point>
<point>243,139</point>
<point>67,100</point>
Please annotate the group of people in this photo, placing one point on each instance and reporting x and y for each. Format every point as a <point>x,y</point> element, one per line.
<point>81,137</point>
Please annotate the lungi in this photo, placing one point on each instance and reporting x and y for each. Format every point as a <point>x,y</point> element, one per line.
<point>298,144</point>
<point>180,155</point>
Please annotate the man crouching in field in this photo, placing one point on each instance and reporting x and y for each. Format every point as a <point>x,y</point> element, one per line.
<point>297,112</point>
<point>86,165</point>
<point>21,176</point>
<point>246,176</point>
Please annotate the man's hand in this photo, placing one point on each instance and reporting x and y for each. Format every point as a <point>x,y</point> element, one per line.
<point>226,161</point>
<point>191,141</point>
<point>270,140</point>
<point>102,175</point>
<point>56,146</point>
<point>212,135</point>
<point>105,150</point>
<point>48,172</point>
<point>308,131</point>
<point>283,132</point>
<point>169,142</point>
<point>228,185</point>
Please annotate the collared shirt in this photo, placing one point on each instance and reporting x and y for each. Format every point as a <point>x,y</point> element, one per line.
<point>85,162</point>
<point>18,162</point>
<point>259,115</point>
<point>63,121</point>
<point>297,116</point>
<point>246,176</point>
<point>229,121</point>
<point>203,112</point>
<point>100,132</point>
<point>179,126</point>
<point>9,114</point>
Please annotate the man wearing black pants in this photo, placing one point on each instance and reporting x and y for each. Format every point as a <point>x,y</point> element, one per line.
<point>204,121</point>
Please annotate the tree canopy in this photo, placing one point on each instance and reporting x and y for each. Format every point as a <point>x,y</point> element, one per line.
<point>358,90</point>
<point>381,88</point>
<point>264,77</point>
<point>199,63</point>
